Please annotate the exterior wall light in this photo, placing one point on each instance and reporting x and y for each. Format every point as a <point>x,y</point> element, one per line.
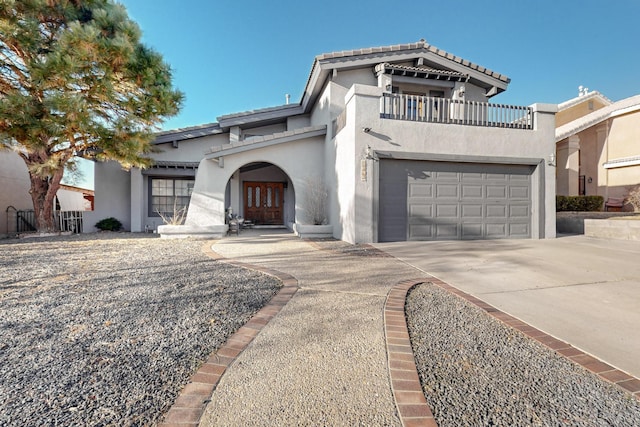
<point>552,159</point>
<point>369,154</point>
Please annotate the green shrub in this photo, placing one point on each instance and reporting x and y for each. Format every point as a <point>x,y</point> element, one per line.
<point>109,224</point>
<point>579,203</point>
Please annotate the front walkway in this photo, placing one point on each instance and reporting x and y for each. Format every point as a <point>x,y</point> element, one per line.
<point>322,360</point>
<point>315,355</point>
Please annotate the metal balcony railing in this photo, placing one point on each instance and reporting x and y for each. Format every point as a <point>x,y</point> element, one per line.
<point>449,111</point>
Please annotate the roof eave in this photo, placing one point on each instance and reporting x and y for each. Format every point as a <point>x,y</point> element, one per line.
<point>266,141</point>
<point>493,82</point>
<point>260,116</point>
<point>183,134</point>
<point>579,99</point>
<point>625,106</point>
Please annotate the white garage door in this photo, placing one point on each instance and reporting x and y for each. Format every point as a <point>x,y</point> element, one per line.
<point>424,200</point>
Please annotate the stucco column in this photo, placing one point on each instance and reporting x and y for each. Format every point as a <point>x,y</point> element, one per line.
<point>573,165</point>
<point>603,149</point>
<point>544,121</point>
<point>137,195</point>
<point>363,124</point>
<point>236,192</point>
<point>206,208</point>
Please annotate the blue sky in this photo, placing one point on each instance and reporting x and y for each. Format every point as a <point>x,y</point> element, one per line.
<point>230,56</point>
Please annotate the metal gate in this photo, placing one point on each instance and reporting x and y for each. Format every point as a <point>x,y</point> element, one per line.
<point>24,221</point>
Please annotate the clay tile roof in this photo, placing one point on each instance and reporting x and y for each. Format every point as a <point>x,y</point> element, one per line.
<point>422,44</point>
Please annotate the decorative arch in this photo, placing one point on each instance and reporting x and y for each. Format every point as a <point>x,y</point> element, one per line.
<point>261,192</point>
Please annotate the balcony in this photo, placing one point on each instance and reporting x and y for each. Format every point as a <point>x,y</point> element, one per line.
<point>448,111</point>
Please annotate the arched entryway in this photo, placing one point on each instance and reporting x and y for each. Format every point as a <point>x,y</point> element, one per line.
<point>262,193</point>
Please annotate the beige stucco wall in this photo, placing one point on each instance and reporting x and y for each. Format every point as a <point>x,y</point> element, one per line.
<point>622,179</point>
<point>592,156</point>
<point>624,136</point>
<point>615,138</point>
<point>579,110</point>
<point>14,188</point>
<point>623,141</point>
<point>562,169</point>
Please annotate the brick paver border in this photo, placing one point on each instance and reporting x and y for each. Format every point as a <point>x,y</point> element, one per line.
<point>412,406</point>
<point>192,400</point>
<point>405,383</point>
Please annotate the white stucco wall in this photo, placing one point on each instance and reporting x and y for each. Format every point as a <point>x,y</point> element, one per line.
<point>113,196</point>
<point>130,205</point>
<point>263,130</point>
<point>329,106</point>
<point>298,159</point>
<point>301,121</point>
<point>347,78</point>
<point>191,150</point>
<point>71,200</point>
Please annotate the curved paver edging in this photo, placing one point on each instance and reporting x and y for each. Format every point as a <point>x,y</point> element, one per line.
<point>192,400</point>
<point>405,382</point>
<point>412,406</point>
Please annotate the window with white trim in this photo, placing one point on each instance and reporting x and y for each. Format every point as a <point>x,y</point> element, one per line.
<point>168,195</point>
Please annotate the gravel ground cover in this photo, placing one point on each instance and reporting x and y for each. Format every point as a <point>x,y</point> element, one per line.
<point>476,371</point>
<point>105,329</point>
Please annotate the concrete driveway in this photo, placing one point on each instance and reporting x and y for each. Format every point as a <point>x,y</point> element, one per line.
<point>584,291</point>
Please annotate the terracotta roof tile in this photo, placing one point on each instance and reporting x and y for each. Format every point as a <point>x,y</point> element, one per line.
<point>422,44</point>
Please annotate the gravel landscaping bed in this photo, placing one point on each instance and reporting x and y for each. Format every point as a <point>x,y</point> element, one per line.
<point>476,371</point>
<point>106,328</point>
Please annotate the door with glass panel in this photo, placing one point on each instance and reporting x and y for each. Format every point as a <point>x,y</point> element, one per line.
<point>263,202</point>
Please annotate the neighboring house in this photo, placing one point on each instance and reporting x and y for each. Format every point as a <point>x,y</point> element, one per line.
<point>402,137</point>
<point>14,190</point>
<point>14,194</point>
<point>598,146</point>
<point>70,198</point>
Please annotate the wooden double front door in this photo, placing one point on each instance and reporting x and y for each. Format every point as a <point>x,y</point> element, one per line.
<point>263,202</point>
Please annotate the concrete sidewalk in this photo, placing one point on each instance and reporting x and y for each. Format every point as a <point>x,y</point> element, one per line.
<point>322,360</point>
<point>581,290</point>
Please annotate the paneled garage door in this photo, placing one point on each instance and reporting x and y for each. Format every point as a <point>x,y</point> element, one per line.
<point>424,200</point>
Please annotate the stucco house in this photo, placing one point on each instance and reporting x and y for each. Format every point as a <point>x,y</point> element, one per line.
<point>598,145</point>
<point>402,137</point>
